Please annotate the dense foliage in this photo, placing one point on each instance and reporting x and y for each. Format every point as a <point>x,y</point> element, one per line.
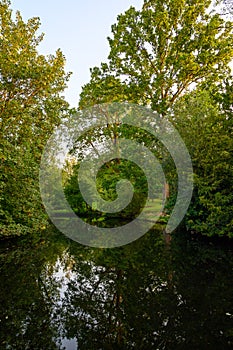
<point>31,105</point>
<point>173,56</point>
<point>108,177</point>
<point>207,131</point>
<point>157,53</point>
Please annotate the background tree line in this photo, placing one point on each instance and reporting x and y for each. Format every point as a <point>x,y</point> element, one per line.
<point>172,56</point>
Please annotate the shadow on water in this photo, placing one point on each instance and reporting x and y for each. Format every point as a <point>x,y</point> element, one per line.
<point>57,294</point>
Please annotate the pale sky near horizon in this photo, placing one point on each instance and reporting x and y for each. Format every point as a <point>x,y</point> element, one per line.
<point>79,28</point>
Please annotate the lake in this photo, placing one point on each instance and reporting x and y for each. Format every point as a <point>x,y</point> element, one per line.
<point>57,294</point>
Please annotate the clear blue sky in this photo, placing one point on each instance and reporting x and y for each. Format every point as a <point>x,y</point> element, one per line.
<point>79,28</point>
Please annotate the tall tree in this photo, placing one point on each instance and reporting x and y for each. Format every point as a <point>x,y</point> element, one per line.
<point>31,105</point>
<point>158,55</point>
<point>162,50</point>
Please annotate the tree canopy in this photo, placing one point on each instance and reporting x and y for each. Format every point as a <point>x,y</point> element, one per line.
<point>173,56</point>
<point>207,131</point>
<point>161,51</point>
<point>31,87</point>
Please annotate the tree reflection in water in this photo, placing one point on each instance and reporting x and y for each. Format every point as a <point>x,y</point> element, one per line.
<point>140,296</point>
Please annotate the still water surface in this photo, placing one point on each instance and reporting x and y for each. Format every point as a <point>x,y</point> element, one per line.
<point>57,294</point>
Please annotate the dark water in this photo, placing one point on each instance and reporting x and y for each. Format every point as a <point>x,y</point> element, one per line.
<point>57,294</point>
